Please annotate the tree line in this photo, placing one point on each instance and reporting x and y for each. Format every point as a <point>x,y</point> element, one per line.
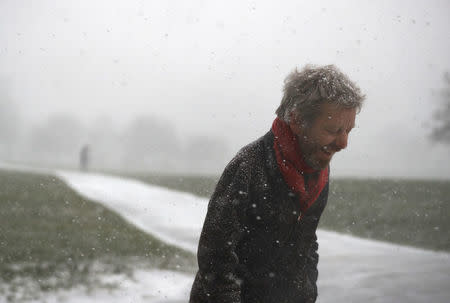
<point>146,144</point>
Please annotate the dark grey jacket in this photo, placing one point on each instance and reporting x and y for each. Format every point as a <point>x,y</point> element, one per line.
<point>252,247</point>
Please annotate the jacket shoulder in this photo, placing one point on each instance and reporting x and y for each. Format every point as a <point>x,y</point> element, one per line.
<point>249,156</point>
<point>239,171</point>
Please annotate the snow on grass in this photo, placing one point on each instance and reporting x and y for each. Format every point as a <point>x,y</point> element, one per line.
<point>152,286</point>
<point>350,269</point>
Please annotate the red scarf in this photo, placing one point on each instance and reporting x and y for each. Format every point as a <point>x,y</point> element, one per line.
<point>292,166</point>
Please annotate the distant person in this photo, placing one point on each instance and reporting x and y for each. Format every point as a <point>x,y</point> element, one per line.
<point>258,242</point>
<point>84,158</point>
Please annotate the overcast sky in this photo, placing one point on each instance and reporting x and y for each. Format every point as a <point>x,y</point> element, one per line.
<point>217,67</point>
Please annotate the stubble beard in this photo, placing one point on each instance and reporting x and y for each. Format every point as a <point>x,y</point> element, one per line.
<point>316,164</point>
<point>308,150</point>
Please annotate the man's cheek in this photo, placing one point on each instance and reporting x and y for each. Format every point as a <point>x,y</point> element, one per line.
<point>327,140</point>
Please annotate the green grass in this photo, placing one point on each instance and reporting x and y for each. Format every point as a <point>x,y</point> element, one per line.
<point>47,230</point>
<point>57,239</point>
<point>410,212</point>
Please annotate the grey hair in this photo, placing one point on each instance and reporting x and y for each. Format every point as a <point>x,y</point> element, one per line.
<point>307,90</point>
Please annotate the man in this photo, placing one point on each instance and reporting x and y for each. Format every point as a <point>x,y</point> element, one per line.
<point>84,158</point>
<point>258,242</point>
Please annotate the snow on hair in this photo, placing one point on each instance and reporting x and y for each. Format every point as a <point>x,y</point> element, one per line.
<point>307,90</point>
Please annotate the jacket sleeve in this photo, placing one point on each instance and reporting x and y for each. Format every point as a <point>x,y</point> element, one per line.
<point>313,260</point>
<point>313,255</point>
<point>222,229</point>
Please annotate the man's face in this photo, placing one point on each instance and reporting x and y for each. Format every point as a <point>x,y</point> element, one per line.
<point>326,135</point>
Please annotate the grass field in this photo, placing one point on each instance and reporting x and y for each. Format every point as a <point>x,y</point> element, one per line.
<point>411,212</point>
<point>408,212</point>
<point>55,238</point>
<point>50,237</point>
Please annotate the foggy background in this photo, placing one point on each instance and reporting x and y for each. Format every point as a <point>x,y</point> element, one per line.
<point>181,86</point>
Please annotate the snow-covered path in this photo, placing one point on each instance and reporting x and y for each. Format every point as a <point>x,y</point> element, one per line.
<point>171,216</point>
<point>351,269</point>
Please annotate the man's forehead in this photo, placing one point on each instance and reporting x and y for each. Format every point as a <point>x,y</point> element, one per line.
<point>334,110</point>
<point>337,114</point>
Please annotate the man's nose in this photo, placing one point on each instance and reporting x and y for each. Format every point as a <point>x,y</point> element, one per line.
<point>342,140</point>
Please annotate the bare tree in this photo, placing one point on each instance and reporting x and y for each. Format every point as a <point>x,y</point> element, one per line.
<point>441,127</point>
